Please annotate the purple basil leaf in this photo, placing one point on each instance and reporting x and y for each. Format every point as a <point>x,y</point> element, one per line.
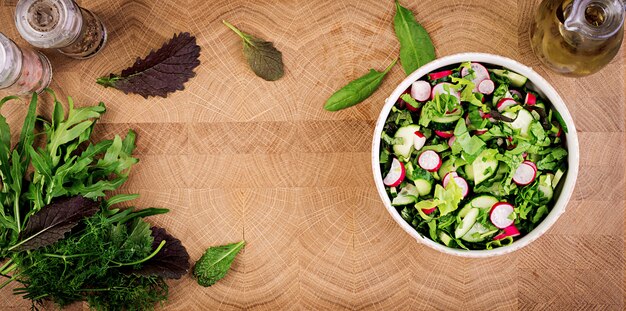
<point>171,262</point>
<point>162,72</point>
<point>53,221</point>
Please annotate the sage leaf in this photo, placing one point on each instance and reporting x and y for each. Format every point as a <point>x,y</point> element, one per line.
<point>416,48</point>
<point>54,220</point>
<point>162,72</point>
<point>357,90</point>
<point>215,263</point>
<point>264,59</point>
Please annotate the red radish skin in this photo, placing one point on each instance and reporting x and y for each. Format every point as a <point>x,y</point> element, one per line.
<point>486,87</point>
<point>510,231</point>
<point>525,174</point>
<point>439,89</point>
<point>480,132</point>
<point>480,74</point>
<point>531,99</point>
<point>419,140</point>
<point>524,155</point>
<point>396,174</point>
<point>453,111</point>
<point>429,160</point>
<point>446,178</point>
<point>451,141</point>
<point>500,213</point>
<point>420,90</point>
<point>429,211</point>
<point>438,75</point>
<point>505,102</point>
<point>444,134</point>
<point>400,103</point>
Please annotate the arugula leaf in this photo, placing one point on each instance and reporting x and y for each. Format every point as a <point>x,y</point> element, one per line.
<point>215,263</point>
<point>162,72</point>
<point>52,222</point>
<point>416,47</point>
<point>357,90</point>
<point>171,262</point>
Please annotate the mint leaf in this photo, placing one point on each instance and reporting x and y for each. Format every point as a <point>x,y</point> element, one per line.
<point>161,72</point>
<point>215,263</point>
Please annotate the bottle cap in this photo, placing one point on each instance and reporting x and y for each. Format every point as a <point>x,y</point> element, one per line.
<point>10,62</point>
<point>48,23</point>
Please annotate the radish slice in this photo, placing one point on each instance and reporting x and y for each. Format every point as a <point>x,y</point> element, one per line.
<point>480,131</point>
<point>429,160</point>
<point>446,178</point>
<point>444,134</point>
<point>511,231</point>
<point>438,75</point>
<point>486,116</point>
<point>530,163</point>
<point>396,174</point>
<point>505,102</point>
<point>429,211</point>
<point>419,140</point>
<point>439,89</point>
<point>420,91</point>
<point>531,99</point>
<point>525,174</point>
<point>515,92</point>
<point>480,74</point>
<point>451,141</point>
<point>486,87</point>
<point>500,213</point>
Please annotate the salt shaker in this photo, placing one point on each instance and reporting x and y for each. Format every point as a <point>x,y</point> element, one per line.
<point>22,70</point>
<point>62,25</point>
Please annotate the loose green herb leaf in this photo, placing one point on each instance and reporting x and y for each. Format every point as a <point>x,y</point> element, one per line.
<point>264,59</point>
<point>215,263</point>
<point>53,221</point>
<point>162,72</point>
<point>416,48</point>
<point>357,90</point>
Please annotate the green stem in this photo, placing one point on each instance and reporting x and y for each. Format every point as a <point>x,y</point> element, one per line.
<point>8,270</point>
<point>141,260</point>
<point>69,256</point>
<point>391,65</point>
<point>16,211</point>
<point>6,264</point>
<point>237,31</point>
<point>7,282</point>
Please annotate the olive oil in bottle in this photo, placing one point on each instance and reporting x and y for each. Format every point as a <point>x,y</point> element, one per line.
<point>577,37</point>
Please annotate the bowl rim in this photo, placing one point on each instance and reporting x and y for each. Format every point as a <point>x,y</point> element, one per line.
<point>543,87</point>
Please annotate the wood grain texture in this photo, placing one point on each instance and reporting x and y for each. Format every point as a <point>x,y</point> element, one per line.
<point>235,157</point>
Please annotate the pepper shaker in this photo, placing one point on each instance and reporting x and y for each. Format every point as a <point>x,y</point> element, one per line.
<point>22,70</point>
<point>62,25</point>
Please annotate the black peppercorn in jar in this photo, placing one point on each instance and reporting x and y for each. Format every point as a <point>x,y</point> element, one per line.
<point>62,25</point>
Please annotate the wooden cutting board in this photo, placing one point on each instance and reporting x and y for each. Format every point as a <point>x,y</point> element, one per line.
<point>235,157</point>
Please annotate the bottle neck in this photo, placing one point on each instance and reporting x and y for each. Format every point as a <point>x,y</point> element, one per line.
<point>593,19</point>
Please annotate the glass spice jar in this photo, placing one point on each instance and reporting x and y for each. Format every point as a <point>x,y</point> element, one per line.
<point>22,70</point>
<point>60,24</point>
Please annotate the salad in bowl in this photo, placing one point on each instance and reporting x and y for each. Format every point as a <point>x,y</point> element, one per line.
<point>473,157</point>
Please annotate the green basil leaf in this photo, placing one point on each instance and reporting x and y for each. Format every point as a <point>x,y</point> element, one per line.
<point>357,90</point>
<point>264,59</point>
<point>416,48</point>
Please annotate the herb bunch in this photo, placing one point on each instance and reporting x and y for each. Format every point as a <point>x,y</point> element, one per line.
<point>62,240</point>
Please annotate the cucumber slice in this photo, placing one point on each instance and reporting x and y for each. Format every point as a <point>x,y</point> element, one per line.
<point>403,200</point>
<point>445,238</point>
<point>545,187</point>
<point>557,178</point>
<point>393,191</point>
<point>467,223</point>
<point>522,122</point>
<point>484,167</point>
<point>517,80</point>
<point>484,201</point>
<point>449,117</point>
<point>407,133</point>
<point>477,233</point>
<point>469,171</point>
<point>423,186</point>
<point>447,166</point>
<point>463,212</point>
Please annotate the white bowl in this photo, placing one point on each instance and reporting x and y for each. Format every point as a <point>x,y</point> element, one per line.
<point>541,86</point>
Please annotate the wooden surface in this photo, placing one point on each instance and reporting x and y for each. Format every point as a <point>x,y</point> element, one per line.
<point>235,157</point>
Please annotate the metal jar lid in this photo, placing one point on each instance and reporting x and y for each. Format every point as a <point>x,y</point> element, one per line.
<point>48,23</point>
<point>10,62</point>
